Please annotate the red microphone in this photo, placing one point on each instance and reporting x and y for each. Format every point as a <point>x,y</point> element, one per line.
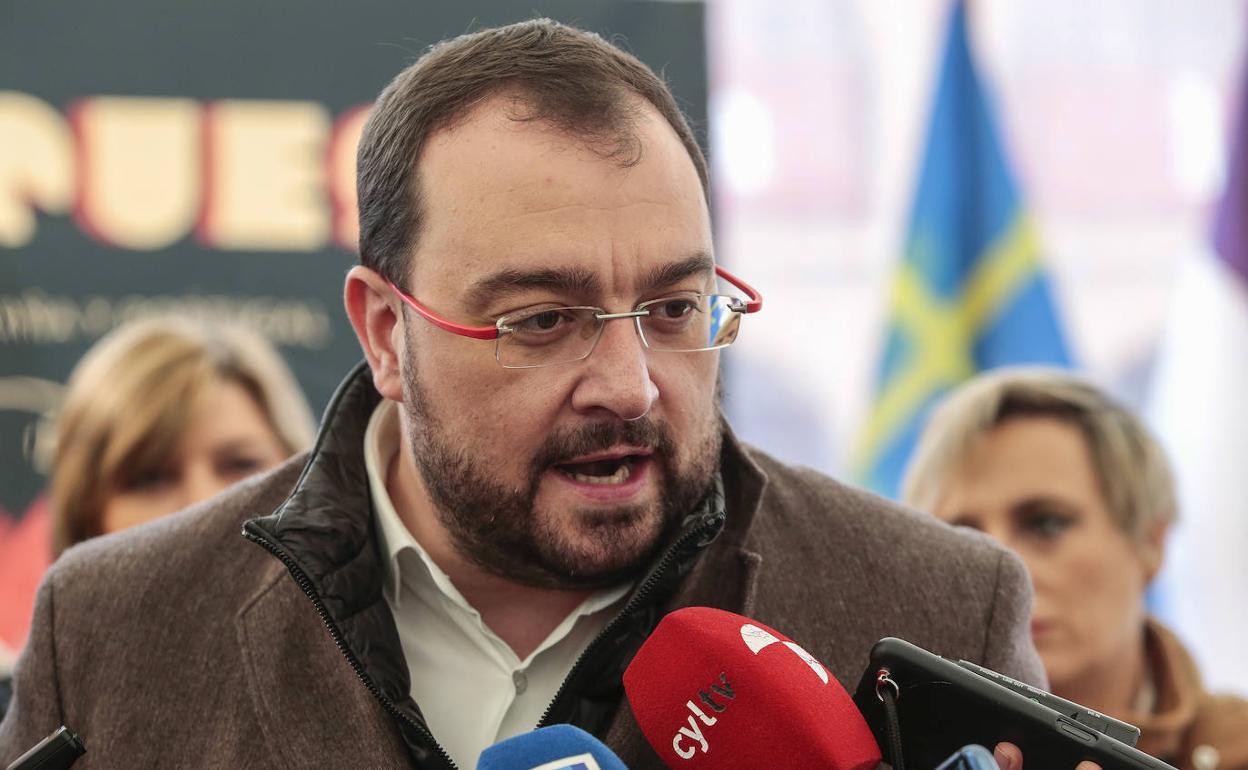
<point>712,689</point>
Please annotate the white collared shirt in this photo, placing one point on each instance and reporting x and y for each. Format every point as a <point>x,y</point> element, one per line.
<point>470,685</point>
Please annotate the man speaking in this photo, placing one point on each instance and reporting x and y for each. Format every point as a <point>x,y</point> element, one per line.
<point>529,469</point>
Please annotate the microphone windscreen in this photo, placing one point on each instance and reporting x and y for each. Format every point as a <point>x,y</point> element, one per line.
<point>712,689</point>
<point>557,747</point>
<point>972,757</point>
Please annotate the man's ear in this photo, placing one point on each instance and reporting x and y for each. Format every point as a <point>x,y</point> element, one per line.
<point>372,308</point>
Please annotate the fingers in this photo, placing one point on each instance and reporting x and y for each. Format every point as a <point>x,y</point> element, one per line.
<point>1009,757</point>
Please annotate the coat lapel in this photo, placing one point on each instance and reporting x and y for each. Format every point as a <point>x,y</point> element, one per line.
<point>293,669</point>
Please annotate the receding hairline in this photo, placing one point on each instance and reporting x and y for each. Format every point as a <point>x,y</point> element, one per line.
<point>485,113</point>
<point>502,105</point>
<point>619,141</point>
<point>520,104</point>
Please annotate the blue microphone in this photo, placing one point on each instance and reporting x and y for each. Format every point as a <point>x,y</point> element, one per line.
<point>558,747</point>
<point>972,757</point>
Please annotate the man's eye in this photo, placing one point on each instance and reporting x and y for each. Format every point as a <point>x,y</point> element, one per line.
<point>543,326</point>
<point>674,309</point>
<point>544,321</point>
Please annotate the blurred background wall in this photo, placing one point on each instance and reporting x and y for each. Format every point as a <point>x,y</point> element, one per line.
<point>1118,118</point>
<point>1115,115</point>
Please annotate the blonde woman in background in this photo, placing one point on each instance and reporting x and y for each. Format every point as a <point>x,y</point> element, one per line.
<point>163,413</point>
<point>1062,474</point>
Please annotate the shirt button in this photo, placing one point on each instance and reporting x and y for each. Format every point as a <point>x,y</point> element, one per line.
<point>1206,757</point>
<point>521,682</point>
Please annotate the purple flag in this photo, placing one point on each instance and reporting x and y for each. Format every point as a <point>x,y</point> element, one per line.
<point>1201,414</point>
<point>1230,230</point>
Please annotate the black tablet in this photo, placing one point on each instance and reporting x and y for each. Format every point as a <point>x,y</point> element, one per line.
<point>943,706</point>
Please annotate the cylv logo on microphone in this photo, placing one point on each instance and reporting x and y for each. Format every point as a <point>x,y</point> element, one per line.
<point>694,731</point>
<point>579,762</point>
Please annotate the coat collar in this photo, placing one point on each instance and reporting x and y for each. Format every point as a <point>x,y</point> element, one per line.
<point>292,667</point>
<point>1178,690</point>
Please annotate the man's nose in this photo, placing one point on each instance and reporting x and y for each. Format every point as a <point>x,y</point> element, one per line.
<point>616,376</point>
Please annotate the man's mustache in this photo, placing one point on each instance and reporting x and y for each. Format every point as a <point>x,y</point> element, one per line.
<point>601,435</point>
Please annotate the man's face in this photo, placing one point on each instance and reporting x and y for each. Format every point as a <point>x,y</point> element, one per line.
<point>565,476</point>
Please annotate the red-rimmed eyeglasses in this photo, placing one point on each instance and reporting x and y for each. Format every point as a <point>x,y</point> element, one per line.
<point>543,335</point>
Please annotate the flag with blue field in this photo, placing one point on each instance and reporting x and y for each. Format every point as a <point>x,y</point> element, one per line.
<point>971,291</point>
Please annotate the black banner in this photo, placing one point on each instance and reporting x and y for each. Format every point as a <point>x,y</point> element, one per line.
<point>199,158</point>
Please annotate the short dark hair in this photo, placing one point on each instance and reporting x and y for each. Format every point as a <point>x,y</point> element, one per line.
<point>572,79</point>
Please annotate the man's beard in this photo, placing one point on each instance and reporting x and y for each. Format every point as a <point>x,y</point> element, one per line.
<point>497,528</point>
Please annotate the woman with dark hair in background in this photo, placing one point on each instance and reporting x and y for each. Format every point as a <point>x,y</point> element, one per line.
<point>1061,473</point>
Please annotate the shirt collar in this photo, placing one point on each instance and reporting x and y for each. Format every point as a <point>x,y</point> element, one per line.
<point>381,444</point>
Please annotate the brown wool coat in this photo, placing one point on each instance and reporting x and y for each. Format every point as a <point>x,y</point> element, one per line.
<point>180,644</point>
<point>1189,728</point>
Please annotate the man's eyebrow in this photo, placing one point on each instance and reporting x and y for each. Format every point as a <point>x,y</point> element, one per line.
<point>573,280</point>
<point>578,280</point>
<point>675,272</point>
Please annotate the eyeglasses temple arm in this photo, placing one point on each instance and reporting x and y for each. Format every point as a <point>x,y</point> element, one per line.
<point>476,332</point>
<point>756,300</point>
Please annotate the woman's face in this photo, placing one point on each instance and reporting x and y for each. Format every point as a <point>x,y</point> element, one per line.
<point>226,440</point>
<point>1030,484</point>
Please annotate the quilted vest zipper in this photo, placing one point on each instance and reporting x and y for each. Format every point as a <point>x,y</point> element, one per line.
<point>710,526</point>
<point>306,585</point>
